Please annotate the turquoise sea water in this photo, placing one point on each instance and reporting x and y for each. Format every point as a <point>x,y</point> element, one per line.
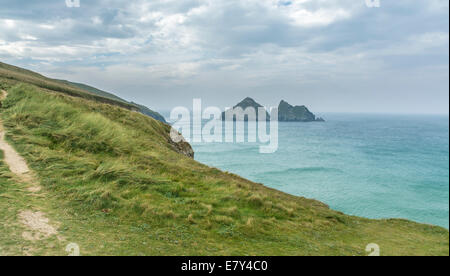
<point>375,166</point>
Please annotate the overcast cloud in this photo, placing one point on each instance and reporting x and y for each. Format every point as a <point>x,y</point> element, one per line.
<point>330,55</point>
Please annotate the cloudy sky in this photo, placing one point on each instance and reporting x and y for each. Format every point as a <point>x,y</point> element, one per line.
<point>332,55</point>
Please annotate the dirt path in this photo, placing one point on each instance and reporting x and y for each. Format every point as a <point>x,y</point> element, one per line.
<point>13,160</point>
<point>36,222</point>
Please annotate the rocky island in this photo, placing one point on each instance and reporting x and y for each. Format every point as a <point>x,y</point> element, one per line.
<point>244,104</point>
<point>286,112</point>
<point>289,113</point>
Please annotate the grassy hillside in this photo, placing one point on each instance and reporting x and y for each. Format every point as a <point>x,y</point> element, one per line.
<point>114,184</point>
<point>93,90</point>
<point>15,198</point>
<point>143,109</point>
<point>12,75</point>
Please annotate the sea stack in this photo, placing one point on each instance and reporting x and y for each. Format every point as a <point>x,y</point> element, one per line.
<point>243,105</point>
<point>289,113</point>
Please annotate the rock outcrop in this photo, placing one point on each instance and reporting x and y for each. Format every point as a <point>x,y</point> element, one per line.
<point>289,113</point>
<point>241,116</point>
<point>179,144</point>
<point>286,112</point>
<point>184,148</point>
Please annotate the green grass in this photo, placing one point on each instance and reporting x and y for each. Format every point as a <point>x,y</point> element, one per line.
<point>93,90</point>
<point>13,199</point>
<point>114,184</point>
<point>12,75</point>
<point>116,187</point>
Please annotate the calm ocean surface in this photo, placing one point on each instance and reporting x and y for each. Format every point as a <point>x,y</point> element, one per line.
<point>375,166</point>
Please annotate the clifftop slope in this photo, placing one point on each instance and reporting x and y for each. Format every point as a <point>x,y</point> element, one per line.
<point>12,74</point>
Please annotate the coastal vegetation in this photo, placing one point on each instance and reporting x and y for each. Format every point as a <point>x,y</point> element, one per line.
<point>113,183</point>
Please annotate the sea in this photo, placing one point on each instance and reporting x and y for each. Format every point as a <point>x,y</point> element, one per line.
<point>368,165</point>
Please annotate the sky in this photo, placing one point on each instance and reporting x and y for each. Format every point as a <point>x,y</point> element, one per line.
<point>331,55</point>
